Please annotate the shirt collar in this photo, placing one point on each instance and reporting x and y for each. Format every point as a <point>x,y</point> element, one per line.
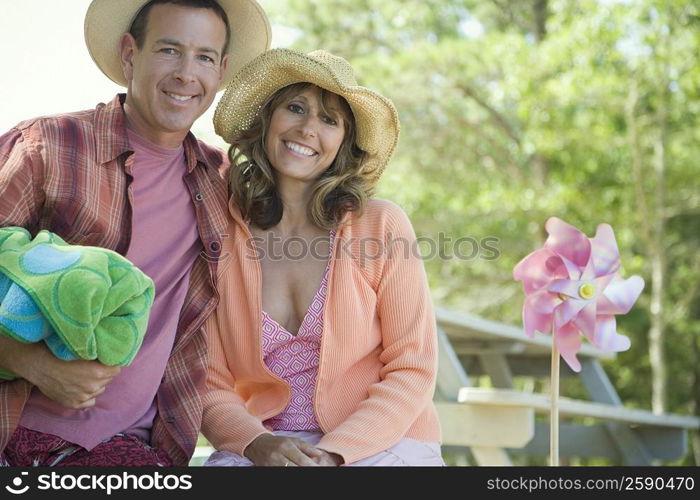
<point>112,141</point>
<point>110,130</point>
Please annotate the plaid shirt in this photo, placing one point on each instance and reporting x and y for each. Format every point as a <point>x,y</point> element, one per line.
<point>70,174</point>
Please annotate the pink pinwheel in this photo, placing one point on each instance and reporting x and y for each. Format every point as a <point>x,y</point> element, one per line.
<point>573,286</point>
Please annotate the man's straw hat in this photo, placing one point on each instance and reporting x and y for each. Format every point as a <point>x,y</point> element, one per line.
<point>376,117</point>
<point>107,20</point>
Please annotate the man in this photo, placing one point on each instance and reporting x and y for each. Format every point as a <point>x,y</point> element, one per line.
<point>128,176</point>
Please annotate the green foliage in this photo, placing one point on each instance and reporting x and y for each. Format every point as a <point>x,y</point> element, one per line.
<point>513,112</point>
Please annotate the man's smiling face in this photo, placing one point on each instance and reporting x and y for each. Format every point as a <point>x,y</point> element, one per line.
<point>174,76</point>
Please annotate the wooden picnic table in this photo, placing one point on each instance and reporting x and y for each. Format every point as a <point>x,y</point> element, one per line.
<point>481,408</point>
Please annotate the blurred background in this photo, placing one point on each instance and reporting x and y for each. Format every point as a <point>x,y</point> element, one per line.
<point>511,112</point>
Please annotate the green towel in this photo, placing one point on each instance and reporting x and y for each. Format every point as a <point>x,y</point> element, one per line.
<point>84,302</point>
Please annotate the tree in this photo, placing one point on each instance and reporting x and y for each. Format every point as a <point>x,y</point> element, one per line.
<point>515,111</point>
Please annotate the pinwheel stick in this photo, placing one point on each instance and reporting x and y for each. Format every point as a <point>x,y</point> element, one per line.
<point>554,413</point>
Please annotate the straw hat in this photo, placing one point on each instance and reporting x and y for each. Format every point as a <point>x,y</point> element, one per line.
<point>376,117</point>
<point>107,20</point>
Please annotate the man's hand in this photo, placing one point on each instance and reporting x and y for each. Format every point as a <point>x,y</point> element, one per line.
<point>271,450</point>
<point>73,384</point>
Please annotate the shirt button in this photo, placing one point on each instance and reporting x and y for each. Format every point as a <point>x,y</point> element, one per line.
<point>199,197</point>
<point>170,420</point>
<point>214,246</point>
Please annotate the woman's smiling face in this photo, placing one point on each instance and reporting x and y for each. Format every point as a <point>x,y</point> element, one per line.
<point>304,135</point>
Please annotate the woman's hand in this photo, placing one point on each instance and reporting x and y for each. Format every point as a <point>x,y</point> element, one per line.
<point>329,459</point>
<point>278,451</point>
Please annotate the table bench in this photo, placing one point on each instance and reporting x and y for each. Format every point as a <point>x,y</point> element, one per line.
<point>481,410</point>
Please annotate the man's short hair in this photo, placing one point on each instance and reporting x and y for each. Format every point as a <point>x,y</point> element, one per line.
<point>138,27</point>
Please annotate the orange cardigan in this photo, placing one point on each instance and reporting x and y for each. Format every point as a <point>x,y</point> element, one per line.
<point>378,360</point>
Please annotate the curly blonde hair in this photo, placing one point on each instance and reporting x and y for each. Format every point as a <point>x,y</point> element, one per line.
<point>341,188</point>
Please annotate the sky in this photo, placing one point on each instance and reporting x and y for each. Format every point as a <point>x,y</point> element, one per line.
<point>48,69</point>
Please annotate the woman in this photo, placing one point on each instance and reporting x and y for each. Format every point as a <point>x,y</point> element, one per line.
<point>323,348</point>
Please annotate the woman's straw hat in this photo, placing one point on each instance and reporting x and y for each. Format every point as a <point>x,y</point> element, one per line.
<point>107,20</point>
<point>376,117</point>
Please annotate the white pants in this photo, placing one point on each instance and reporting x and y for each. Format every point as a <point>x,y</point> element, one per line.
<point>407,452</point>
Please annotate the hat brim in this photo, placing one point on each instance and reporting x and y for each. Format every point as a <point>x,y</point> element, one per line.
<point>107,20</point>
<point>375,116</point>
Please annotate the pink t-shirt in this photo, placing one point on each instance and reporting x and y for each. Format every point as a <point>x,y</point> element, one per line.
<point>295,359</point>
<point>164,245</point>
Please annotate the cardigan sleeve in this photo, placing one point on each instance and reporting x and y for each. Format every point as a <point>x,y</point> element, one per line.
<point>409,351</point>
<point>226,422</point>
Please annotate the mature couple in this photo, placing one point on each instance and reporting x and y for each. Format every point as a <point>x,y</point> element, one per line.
<point>278,361</point>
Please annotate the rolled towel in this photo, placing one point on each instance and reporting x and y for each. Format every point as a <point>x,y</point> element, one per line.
<point>83,302</point>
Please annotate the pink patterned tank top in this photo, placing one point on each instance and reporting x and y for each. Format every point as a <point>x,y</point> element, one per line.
<point>295,359</point>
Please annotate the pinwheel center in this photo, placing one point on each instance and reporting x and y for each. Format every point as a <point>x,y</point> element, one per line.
<point>586,291</point>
